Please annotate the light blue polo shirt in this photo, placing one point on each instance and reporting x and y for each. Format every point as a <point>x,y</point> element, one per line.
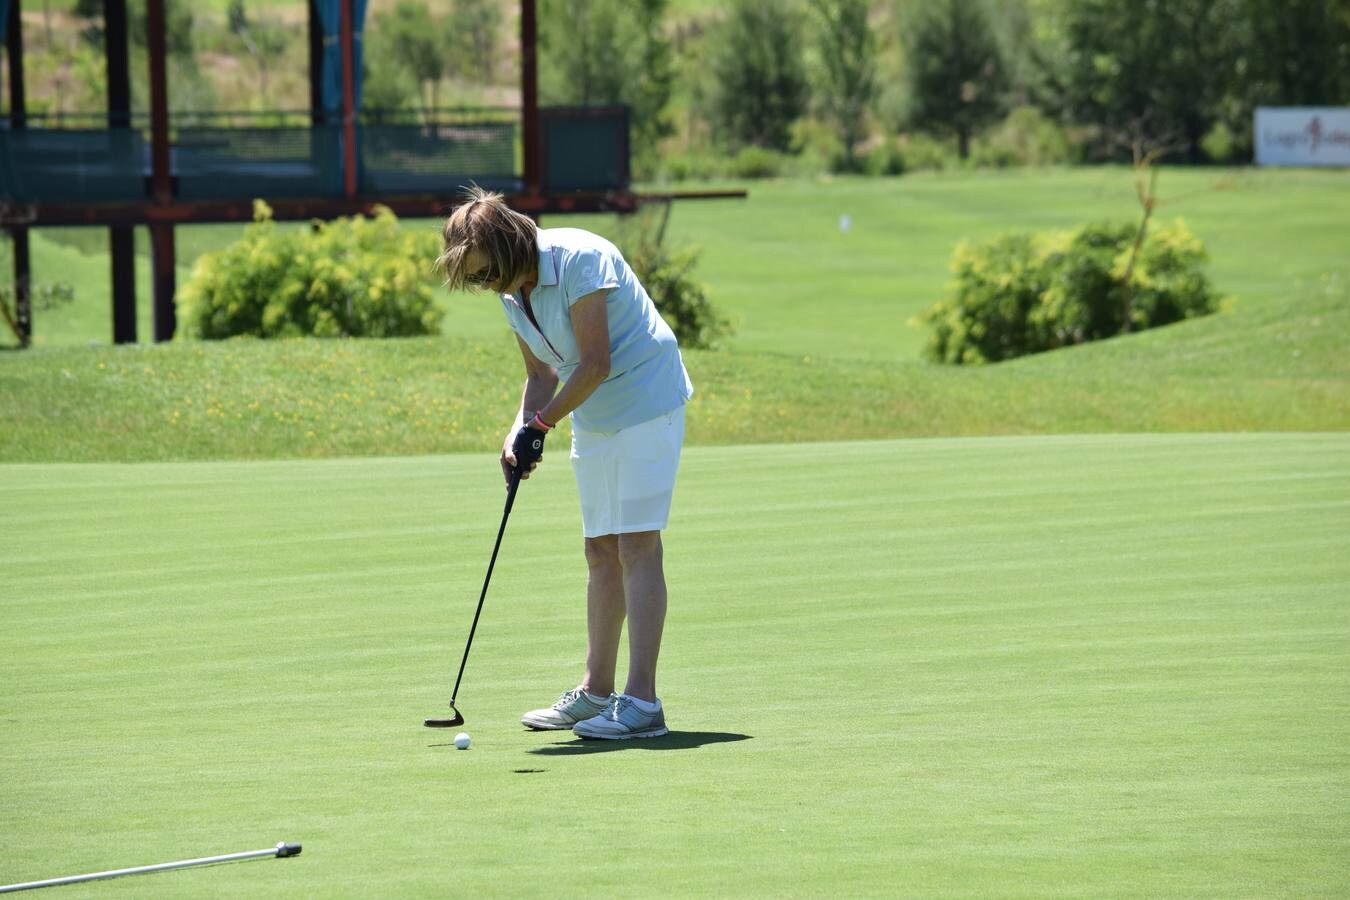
<point>647,377</point>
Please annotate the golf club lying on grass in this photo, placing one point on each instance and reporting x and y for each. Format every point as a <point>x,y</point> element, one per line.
<point>458,719</point>
<point>280,851</point>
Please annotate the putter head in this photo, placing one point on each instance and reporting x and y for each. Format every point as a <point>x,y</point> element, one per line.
<point>451,722</point>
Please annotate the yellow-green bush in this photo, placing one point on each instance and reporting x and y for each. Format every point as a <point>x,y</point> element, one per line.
<point>352,277</point>
<point>1025,293</point>
<point>668,276</point>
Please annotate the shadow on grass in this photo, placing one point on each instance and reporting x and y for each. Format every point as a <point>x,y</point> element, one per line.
<point>675,740</point>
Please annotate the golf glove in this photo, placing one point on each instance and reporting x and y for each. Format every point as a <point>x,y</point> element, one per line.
<point>528,447</point>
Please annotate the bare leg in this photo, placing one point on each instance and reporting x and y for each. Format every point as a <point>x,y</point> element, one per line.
<point>604,612</point>
<point>644,588</point>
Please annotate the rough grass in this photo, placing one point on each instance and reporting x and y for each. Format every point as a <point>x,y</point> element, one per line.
<point>779,266</point>
<point>824,351</point>
<point>1274,366</point>
<point>795,284</point>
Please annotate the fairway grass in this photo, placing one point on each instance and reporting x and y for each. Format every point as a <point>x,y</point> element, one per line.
<point>1030,666</point>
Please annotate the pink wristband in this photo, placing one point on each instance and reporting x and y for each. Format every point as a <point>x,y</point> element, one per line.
<point>539,422</point>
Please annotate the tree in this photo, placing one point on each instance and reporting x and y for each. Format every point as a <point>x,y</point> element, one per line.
<point>1157,70</point>
<point>419,44</point>
<point>1299,52</point>
<point>387,87</point>
<point>1169,71</point>
<point>760,74</point>
<point>1031,42</point>
<point>956,68</point>
<point>603,52</point>
<point>190,88</point>
<point>474,27</point>
<point>178,29</point>
<point>848,63</point>
<point>656,81</point>
<point>265,42</point>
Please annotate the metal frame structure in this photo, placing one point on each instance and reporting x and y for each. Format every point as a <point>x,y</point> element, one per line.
<point>163,208</point>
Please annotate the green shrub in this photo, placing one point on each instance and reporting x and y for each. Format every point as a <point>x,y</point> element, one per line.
<point>1027,293</point>
<point>42,297</point>
<point>887,158</point>
<point>352,277</point>
<point>691,166</point>
<point>668,277</point>
<point>1025,138</point>
<point>817,146</point>
<point>920,152</point>
<point>1220,144</point>
<point>757,162</point>
<point>748,162</point>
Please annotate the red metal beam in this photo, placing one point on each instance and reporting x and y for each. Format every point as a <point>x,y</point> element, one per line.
<point>299,210</point>
<point>23,282</point>
<point>185,212</point>
<point>529,96</point>
<point>122,251</point>
<point>161,179</point>
<point>164,276</point>
<point>18,118</point>
<point>316,114</point>
<point>121,238</point>
<point>161,176</point>
<point>348,102</point>
<point>119,66</point>
<point>18,104</point>
<point>666,196</point>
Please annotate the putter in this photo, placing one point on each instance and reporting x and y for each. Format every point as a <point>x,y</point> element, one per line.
<point>458,718</point>
<point>280,851</point>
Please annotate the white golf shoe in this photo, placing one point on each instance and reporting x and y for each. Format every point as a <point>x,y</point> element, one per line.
<point>623,720</point>
<point>572,707</point>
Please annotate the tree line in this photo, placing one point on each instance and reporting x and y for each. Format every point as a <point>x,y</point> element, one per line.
<point>849,85</point>
<point>1182,74</point>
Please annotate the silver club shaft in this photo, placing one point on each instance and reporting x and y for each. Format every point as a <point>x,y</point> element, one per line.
<point>282,849</point>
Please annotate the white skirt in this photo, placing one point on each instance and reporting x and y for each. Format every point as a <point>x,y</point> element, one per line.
<point>626,478</point>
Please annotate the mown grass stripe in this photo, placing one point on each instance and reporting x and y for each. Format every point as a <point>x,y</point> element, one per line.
<point>1039,666</point>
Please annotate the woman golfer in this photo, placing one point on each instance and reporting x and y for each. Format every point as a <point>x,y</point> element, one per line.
<point>582,318</point>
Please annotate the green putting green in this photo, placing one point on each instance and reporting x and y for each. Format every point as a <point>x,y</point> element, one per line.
<point>1034,666</point>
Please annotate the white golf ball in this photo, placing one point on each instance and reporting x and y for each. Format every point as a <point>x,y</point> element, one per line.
<point>462,741</point>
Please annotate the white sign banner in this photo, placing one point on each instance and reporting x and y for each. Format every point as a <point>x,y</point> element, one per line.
<point>1303,136</point>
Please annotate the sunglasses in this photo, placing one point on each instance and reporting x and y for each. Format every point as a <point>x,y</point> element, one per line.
<point>482,277</point>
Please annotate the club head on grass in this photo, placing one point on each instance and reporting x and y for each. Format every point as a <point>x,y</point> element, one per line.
<point>451,722</point>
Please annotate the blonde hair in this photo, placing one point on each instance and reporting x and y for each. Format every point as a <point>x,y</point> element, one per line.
<point>484,222</point>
